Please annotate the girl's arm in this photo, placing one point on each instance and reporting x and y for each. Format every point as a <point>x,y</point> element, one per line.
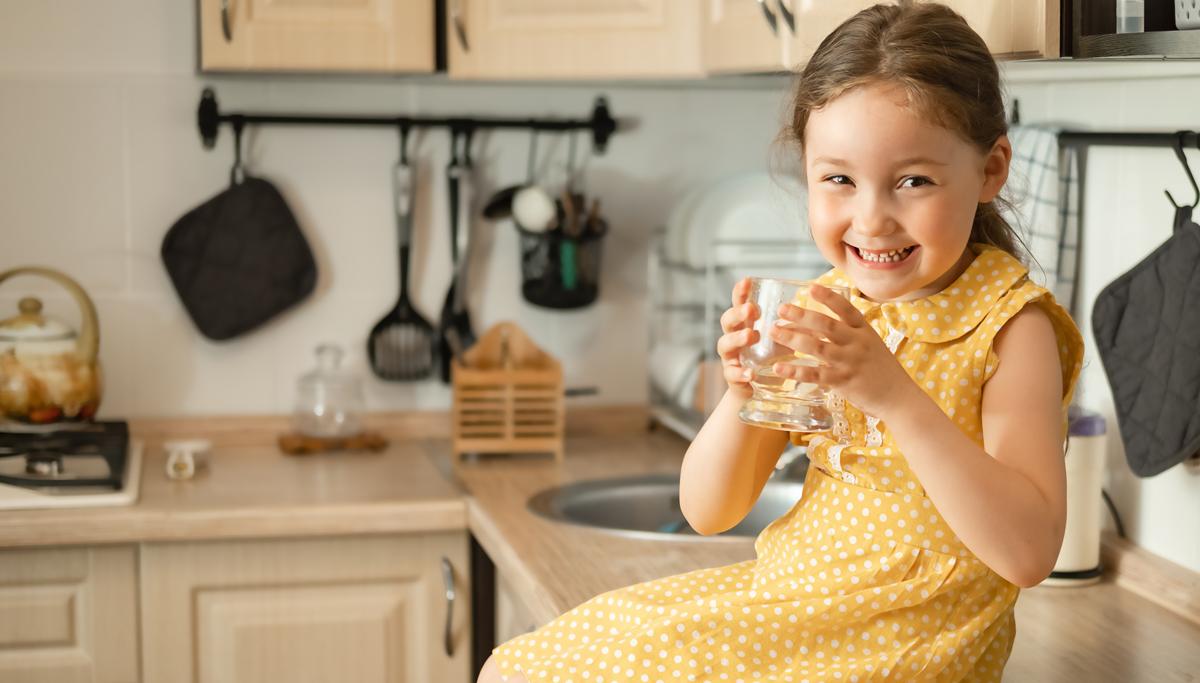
<point>726,467</point>
<point>1008,503</point>
<point>729,462</point>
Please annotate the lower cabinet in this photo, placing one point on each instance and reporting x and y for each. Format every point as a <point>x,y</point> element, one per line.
<point>69,614</point>
<point>513,618</point>
<point>369,609</point>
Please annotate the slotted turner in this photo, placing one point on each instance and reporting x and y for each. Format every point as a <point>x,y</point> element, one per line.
<point>401,346</point>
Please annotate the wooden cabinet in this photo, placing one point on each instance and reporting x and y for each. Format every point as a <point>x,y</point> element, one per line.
<point>573,39</point>
<point>738,36</point>
<point>513,618</point>
<point>365,608</point>
<point>316,35</point>
<point>69,614</point>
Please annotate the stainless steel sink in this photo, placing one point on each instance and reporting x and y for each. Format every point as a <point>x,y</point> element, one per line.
<point>648,507</point>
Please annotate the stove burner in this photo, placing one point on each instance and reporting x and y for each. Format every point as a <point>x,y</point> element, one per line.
<point>44,464</point>
<point>91,456</point>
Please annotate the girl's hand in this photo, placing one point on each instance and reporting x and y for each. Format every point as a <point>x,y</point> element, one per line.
<point>737,323</point>
<point>857,362</point>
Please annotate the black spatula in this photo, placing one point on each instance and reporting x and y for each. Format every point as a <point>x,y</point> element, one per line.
<point>454,328</point>
<point>401,346</point>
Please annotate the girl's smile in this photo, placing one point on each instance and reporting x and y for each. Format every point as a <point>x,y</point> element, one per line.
<point>892,197</point>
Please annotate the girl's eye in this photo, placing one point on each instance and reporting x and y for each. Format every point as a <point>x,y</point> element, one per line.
<point>840,180</point>
<point>916,181</point>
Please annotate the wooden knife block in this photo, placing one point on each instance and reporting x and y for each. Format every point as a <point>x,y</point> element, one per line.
<point>508,396</point>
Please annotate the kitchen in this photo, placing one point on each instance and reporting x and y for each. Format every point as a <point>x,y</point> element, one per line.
<point>102,156</point>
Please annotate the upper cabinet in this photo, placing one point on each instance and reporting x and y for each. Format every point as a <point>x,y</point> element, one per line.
<point>568,39</point>
<point>317,35</point>
<point>742,36</point>
<point>571,39</point>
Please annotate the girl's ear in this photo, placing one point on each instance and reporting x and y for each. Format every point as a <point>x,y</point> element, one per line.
<point>995,169</point>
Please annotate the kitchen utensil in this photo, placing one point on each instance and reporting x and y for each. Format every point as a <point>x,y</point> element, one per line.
<point>533,209</point>
<point>780,403</point>
<point>455,322</point>
<point>500,206</point>
<point>401,345</point>
<point>239,259</point>
<point>508,396</point>
<point>566,247</point>
<point>593,217</point>
<point>50,377</point>
<point>329,400</point>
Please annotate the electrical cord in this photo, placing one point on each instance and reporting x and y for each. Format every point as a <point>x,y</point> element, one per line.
<point>1112,509</point>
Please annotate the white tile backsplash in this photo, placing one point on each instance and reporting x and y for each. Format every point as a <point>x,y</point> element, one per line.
<point>101,155</point>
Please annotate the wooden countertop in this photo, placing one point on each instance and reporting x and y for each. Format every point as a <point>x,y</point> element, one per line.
<point>1099,633</point>
<point>256,491</point>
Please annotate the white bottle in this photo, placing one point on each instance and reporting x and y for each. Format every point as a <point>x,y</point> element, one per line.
<point>1131,16</point>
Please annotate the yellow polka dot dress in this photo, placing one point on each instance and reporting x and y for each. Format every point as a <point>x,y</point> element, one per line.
<point>862,580</point>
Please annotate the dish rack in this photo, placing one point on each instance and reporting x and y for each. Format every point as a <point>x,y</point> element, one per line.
<point>684,318</point>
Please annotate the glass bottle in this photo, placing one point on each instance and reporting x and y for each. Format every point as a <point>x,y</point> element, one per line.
<point>329,401</point>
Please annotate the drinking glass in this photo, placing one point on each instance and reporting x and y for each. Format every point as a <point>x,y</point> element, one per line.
<point>778,402</point>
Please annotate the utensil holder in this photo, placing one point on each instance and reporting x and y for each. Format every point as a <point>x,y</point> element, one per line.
<point>508,396</point>
<point>560,271</point>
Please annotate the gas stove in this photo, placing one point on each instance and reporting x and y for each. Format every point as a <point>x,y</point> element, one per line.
<point>97,464</point>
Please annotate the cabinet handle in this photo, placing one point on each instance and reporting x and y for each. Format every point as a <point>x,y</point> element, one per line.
<point>448,577</point>
<point>459,28</point>
<point>771,21</point>
<point>225,27</point>
<point>787,15</point>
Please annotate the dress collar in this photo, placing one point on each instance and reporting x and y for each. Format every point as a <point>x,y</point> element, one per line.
<point>953,312</point>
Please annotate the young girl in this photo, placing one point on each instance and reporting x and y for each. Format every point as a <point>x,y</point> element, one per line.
<point>941,487</point>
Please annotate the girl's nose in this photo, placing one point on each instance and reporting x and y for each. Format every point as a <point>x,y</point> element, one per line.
<point>873,218</point>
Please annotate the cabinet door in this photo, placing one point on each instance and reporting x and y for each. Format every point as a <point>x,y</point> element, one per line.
<point>1012,29</point>
<point>513,618</point>
<point>738,38</point>
<point>68,614</point>
<point>363,609</point>
<point>571,39</point>
<point>316,35</point>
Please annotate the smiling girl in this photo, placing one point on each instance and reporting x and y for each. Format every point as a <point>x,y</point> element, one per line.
<point>941,488</point>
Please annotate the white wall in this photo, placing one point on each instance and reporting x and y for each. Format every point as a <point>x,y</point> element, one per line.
<point>99,155</point>
<point>1126,216</point>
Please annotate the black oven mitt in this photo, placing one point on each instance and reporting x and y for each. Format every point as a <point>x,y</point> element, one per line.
<point>239,259</point>
<point>1147,329</point>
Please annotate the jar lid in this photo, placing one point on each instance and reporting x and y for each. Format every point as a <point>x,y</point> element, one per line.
<point>1082,422</point>
<point>31,325</point>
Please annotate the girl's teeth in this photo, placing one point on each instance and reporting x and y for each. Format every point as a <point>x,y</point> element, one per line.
<point>893,255</point>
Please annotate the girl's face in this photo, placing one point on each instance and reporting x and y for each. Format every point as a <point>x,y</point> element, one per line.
<point>892,197</point>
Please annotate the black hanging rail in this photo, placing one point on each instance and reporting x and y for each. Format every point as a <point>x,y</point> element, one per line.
<point>1086,139</point>
<point>210,118</point>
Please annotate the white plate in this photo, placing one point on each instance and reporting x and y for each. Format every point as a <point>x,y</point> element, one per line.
<point>680,219</point>
<point>749,206</point>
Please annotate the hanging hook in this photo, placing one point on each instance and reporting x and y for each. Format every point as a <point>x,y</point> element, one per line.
<point>405,129</point>
<point>1177,145</point>
<point>238,173</point>
<point>468,136</point>
<point>454,132</point>
<point>571,162</point>
<point>532,164</point>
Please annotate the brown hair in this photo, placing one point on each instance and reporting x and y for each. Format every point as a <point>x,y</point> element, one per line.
<point>944,67</point>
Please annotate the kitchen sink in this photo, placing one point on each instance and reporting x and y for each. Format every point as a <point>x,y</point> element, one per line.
<point>648,507</point>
